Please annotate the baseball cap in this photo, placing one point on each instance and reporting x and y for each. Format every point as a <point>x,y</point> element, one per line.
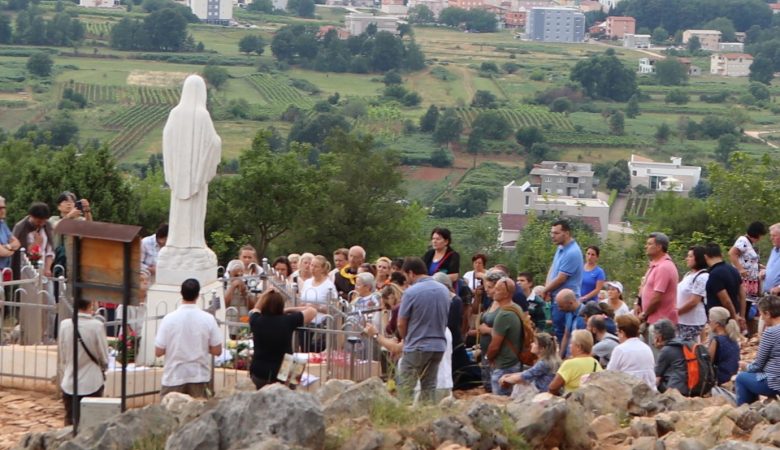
<point>615,284</point>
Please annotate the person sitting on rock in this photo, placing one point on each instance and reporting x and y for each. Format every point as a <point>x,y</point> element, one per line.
<point>605,341</point>
<point>632,356</point>
<point>541,374</point>
<point>670,367</point>
<point>724,344</point>
<point>762,376</point>
<point>580,363</point>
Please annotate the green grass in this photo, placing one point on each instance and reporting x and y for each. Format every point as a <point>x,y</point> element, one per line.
<point>346,84</point>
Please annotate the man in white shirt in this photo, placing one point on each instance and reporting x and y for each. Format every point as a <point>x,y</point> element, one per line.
<point>91,362</point>
<point>150,248</point>
<point>187,337</point>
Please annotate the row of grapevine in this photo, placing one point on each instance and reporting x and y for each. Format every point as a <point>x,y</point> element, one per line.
<point>278,93</point>
<point>153,96</point>
<point>638,205</point>
<point>133,125</point>
<point>525,116</point>
<point>96,93</point>
<point>98,29</point>
<point>585,139</point>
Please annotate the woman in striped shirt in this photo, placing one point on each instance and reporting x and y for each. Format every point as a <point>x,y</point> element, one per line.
<point>762,376</point>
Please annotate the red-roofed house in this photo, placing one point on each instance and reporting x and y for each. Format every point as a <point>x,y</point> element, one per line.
<point>775,7</point>
<point>618,26</point>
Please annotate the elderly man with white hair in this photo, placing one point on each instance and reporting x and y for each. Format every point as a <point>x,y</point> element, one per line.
<point>346,277</point>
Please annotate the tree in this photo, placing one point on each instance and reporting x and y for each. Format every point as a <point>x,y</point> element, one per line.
<point>762,70</point>
<point>6,34</point>
<point>483,99</point>
<point>662,133</point>
<point>725,26</point>
<point>632,107</point>
<point>64,130</point>
<point>561,105</point>
<point>420,14</point>
<point>452,16</point>
<point>252,43</point>
<point>660,35</point>
<point>411,99</point>
<point>164,30</point>
<point>265,6</point>
<point>618,179</point>
<point>448,127</point>
<point>677,96</point>
<point>604,76</point>
<point>671,72</point>
<point>492,125</point>
<point>528,136</point>
<point>441,157</point>
<point>474,145</point>
<point>429,119</point>
<point>360,200</point>
<point>216,76</point>
<point>315,129</point>
<point>387,53</point>
<point>301,8</point>
<point>759,91</point>
<point>392,77</point>
<point>40,64</point>
<point>727,144</point>
<point>280,177</point>
<point>414,58</point>
<point>617,123</point>
<point>694,44</point>
<point>538,152</point>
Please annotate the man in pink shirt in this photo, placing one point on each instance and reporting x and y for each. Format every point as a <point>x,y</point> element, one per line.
<point>659,293</point>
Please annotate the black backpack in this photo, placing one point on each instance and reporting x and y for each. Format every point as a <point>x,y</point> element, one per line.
<point>699,367</point>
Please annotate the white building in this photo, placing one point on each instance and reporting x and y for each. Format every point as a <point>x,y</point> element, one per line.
<point>521,202</point>
<point>555,24</point>
<point>213,11</point>
<point>730,64</point>
<point>97,3</point>
<point>646,66</point>
<point>658,176</point>
<point>731,47</point>
<point>356,24</point>
<point>636,40</point>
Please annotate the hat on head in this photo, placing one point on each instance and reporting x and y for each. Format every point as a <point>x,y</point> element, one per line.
<point>615,284</point>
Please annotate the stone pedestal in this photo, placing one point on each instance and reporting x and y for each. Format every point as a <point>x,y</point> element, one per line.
<point>174,265</point>
<point>162,299</point>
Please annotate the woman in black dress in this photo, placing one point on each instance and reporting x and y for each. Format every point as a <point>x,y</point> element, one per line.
<point>441,257</point>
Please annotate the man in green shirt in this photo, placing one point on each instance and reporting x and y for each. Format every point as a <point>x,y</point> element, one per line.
<point>507,336</point>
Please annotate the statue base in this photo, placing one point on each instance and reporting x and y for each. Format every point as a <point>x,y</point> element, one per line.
<point>174,265</point>
<point>162,299</point>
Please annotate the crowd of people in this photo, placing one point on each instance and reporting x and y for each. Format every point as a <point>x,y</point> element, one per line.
<point>446,329</point>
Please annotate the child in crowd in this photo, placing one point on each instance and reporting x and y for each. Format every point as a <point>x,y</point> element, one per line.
<point>724,345</point>
<point>542,373</point>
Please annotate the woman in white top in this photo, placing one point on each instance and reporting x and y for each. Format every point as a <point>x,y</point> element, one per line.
<point>615,298</point>
<point>691,296</point>
<point>318,289</point>
<point>473,278</point>
<point>744,257</point>
<point>632,356</point>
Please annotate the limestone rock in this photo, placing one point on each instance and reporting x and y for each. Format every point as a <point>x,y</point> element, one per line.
<point>643,426</point>
<point>614,392</point>
<point>666,422</point>
<point>740,445</point>
<point>332,388</point>
<point>45,440</point>
<point>183,407</point>
<point>606,424</point>
<point>357,400</point>
<point>771,412</point>
<point>275,411</point>
<point>269,444</point>
<point>451,446</point>
<point>485,416</point>
<point>691,444</point>
<point>746,417</point>
<point>454,429</point>
<point>125,430</point>
<point>542,423</point>
<point>578,435</point>
<point>365,439</point>
<point>644,443</point>
<point>769,435</point>
<point>615,438</point>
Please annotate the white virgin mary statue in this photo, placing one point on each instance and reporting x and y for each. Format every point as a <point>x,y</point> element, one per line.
<point>191,153</point>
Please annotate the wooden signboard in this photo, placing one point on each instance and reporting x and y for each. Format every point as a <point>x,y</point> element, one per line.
<point>100,259</point>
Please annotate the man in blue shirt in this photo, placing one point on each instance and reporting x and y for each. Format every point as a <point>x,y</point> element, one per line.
<point>570,309</point>
<point>772,277</point>
<point>565,272</point>
<point>8,243</point>
<point>422,320</point>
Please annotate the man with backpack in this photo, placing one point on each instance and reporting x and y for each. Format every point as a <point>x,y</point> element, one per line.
<point>681,365</point>
<point>507,339</point>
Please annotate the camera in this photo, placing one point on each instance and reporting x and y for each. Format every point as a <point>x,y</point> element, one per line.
<point>79,205</point>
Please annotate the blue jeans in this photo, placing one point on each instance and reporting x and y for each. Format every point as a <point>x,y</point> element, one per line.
<point>558,321</point>
<point>496,374</point>
<point>749,387</point>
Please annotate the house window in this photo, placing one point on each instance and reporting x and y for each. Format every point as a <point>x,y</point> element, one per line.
<point>633,173</point>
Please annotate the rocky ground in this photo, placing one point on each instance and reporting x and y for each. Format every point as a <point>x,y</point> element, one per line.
<point>23,411</point>
<point>613,411</point>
